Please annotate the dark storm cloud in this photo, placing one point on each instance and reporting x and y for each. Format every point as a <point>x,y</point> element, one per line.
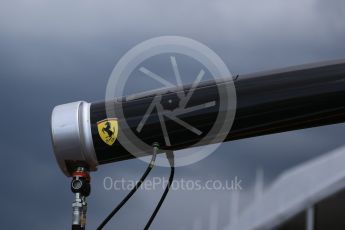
<point>53,52</point>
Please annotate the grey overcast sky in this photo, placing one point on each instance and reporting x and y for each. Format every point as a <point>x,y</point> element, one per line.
<point>54,52</point>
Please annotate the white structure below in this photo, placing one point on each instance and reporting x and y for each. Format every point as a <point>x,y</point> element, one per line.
<point>295,191</point>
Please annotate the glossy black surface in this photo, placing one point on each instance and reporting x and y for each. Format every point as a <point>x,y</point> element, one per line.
<point>269,102</point>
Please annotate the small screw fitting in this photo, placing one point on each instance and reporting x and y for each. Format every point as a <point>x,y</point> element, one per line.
<point>80,186</point>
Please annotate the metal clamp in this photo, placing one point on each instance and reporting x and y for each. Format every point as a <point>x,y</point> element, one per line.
<point>80,186</point>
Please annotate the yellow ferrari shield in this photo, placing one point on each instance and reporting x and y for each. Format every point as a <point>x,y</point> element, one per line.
<point>108,130</point>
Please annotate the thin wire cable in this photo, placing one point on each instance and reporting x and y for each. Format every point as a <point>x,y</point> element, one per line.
<point>123,202</point>
<point>170,156</point>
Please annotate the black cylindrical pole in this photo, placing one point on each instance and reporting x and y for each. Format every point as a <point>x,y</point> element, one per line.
<point>267,102</point>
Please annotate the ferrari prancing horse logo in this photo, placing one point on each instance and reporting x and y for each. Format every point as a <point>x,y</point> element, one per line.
<point>108,130</point>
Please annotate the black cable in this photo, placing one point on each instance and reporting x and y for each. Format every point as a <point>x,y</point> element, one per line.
<point>170,156</point>
<point>119,206</point>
